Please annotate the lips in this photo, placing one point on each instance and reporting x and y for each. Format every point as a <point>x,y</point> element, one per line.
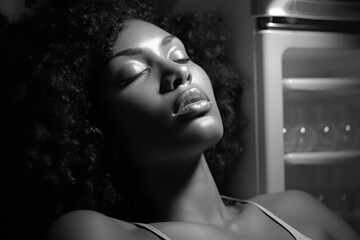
<point>192,101</point>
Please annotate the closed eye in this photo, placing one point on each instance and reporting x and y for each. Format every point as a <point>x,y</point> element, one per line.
<point>132,78</point>
<point>182,60</point>
<point>178,54</point>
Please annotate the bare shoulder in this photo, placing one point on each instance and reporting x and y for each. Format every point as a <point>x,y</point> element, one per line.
<point>301,206</point>
<point>89,225</point>
<point>293,200</point>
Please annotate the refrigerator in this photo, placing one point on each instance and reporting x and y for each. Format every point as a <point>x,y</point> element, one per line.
<point>302,101</point>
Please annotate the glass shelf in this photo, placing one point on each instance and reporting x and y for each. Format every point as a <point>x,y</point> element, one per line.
<point>321,84</point>
<point>320,158</point>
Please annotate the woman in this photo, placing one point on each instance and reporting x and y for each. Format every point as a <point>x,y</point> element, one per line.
<point>158,108</point>
<point>163,105</point>
<point>58,151</point>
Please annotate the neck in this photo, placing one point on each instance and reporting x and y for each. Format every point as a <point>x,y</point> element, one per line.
<point>186,194</point>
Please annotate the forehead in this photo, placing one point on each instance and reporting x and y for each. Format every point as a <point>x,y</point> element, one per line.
<point>138,33</point>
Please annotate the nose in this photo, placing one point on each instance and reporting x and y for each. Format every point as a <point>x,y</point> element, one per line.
<point>174,75</point>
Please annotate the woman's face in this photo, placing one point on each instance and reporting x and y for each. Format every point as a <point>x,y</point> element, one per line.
<point>159,102</point>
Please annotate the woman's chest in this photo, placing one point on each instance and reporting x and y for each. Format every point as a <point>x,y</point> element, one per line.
<point>255,224</point>
<point>252,224</point>
<point>211,233</point>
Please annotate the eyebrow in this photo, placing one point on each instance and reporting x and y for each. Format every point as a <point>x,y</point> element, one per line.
<point>133,51</point>
<point>126,52</point>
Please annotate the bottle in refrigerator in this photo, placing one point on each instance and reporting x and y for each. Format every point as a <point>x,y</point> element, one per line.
<point>326,131</point>
<point>348,129</point>
<point>303,132</point>
<point>288,133</point>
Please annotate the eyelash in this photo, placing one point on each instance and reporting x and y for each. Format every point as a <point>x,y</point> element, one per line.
<point>183,60</point>
<point>133,78</point>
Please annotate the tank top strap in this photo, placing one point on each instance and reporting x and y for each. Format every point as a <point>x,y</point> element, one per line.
<point>295,233</point>
<point>152,229</point>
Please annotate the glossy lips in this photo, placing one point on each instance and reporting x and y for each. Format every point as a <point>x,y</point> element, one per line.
<point>192,102</point>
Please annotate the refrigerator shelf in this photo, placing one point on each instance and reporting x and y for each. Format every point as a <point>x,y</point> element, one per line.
<point>321,158</point>
<point>321,84</point>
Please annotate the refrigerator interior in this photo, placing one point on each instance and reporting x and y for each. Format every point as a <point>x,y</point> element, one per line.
<point>321,132</point>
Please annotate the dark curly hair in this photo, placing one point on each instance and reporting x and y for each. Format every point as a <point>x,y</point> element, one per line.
<point>56,156</point>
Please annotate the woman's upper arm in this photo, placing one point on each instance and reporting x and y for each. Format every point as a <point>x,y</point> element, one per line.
<point>310,208</point>
<point>88,225</point>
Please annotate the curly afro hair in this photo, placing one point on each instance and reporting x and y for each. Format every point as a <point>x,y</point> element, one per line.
<point>55,153</point>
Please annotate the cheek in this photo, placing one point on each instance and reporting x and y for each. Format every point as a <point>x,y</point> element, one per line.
<point>143,125</point>
<point>139,114</point>
<point>200,78</point>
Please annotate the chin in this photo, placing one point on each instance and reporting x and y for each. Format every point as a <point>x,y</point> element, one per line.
<point>202,134</point>
<point>209,127</point>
